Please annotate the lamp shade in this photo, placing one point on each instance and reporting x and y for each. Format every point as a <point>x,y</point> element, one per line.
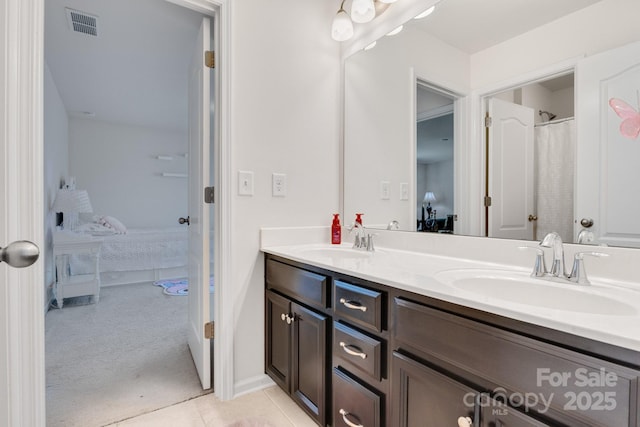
<point>72,201</point>
<point>342,27</point>
<point>362,11</point>
<point>429,197</point>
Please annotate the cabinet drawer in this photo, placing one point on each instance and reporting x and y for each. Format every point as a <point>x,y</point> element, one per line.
<point>358,350</point>
<point>354,404</point>
<point>302,285</point>
<point>576,387</point>
<point>360,305</point>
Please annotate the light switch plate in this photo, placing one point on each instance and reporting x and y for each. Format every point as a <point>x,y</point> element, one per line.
<point>279,184</point>
<point>404,191</point>
<point>245,183</point>
<point>385,190</point>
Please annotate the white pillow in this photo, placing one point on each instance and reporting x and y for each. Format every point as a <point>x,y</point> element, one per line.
<point>95,229</point>
<point>110,221</point>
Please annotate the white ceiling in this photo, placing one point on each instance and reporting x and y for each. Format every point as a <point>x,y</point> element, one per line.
<point>474,25</point>
<point>135,71</point>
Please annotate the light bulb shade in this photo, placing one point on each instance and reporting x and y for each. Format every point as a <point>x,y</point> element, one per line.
<point>342,27</point>
<point>426,13</point>
<point>72,201</point>
<point>362,11</point>
<point>429,197</point>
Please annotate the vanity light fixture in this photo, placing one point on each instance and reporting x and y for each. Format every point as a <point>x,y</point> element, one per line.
<point>425,13</point>
<point>342,27</point>
<point>362,11</point>
<point>371,45</point>
<point>395,31</point>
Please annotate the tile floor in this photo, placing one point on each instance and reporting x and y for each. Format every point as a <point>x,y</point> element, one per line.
<point>265,408</point>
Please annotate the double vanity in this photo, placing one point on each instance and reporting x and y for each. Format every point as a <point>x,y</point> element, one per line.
<point>406,337</point>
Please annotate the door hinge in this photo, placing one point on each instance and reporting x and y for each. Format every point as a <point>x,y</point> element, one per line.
<point>210,59</point>
<point>209,330</point>
<point>209,195</point>
<point>487,121</point>
<point>487,201</point>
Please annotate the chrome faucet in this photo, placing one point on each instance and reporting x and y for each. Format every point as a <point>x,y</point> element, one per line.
<point>553,240</point>
<point>359,241</point>
<point>579,273</point>
<point>362,240</point>
<point>393,225</point>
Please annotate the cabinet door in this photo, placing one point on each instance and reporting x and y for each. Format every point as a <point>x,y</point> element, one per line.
<point>495,414</point>
<point>424,397</point>
<point>309,367</point>
<point>278,345</point>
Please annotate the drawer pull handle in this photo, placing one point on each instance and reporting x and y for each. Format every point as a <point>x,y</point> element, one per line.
<point>346,420</point>
<point>353,305</point>
<point>352,350</point>
<point>465,422</point>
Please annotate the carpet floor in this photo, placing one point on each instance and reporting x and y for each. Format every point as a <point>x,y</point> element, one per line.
<point>124,356</point>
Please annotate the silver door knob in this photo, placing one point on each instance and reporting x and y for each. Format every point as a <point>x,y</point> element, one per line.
<point>184,220</point>
<point>586,222</point>
<point>20,254</point>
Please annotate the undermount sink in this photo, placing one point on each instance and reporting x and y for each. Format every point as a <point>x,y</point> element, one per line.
<point>520,288</point>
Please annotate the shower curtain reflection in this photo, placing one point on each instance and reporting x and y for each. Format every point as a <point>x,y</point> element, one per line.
<point>555,159</point>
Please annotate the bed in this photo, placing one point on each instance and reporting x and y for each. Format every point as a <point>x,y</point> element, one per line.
<point>137,255</point>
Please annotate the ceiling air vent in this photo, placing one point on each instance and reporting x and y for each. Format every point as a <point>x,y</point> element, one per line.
<point>82,22</point>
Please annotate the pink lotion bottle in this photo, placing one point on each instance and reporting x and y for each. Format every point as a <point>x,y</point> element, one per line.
<point>336,230</point>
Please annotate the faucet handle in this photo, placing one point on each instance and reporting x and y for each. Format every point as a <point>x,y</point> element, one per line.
<point>539,268</point>
<point>578,272</point>
<point>370,247</point>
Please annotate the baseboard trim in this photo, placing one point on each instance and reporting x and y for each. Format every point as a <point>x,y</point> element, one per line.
<point>252,384</point>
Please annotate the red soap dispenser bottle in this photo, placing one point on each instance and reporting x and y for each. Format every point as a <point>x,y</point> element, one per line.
<point>359,218</point>
<point>336,230</point>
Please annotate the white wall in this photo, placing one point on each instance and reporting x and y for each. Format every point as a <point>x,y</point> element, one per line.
<point>117,165</point>
<point>56,165</point>
<point>285,118</point>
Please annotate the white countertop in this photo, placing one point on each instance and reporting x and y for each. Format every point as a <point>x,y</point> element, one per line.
<point>418,272</point>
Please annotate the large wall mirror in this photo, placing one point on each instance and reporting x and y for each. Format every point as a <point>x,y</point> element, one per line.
<point>421,155</point>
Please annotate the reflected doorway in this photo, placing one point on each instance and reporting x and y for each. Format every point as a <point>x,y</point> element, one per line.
<point>530,160</point>
<point>435,142</point>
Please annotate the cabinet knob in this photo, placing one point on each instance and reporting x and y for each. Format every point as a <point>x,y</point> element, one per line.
<point>465,422</point>
<point>353,305</point>
<point>287,318</point>
<point>347,421</point>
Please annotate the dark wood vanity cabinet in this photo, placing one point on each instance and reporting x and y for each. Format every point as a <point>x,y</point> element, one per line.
<point>297,336</point>
<point>360,343</point>
<point>356,353</point>
<point>523,380</point>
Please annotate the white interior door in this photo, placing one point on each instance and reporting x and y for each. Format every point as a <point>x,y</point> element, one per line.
<point>511,170</point>
<point>607,169</point>
<point>199,171</point>
<point>22,300</point>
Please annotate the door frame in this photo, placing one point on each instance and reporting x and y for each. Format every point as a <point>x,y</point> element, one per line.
<point>477,171</point>
<point>22,357</point>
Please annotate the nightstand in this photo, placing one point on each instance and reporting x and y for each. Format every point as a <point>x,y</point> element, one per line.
<point>65,244</point>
